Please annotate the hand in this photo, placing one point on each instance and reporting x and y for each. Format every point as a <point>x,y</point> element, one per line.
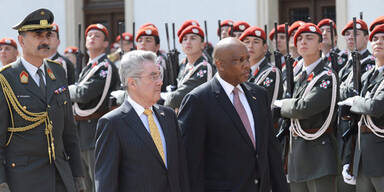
<point>164,95</point>
<point>348,101</point>
<point>4,187</point>
<point>278,103</point>
<point>79,184</point>
<point>349,179</point>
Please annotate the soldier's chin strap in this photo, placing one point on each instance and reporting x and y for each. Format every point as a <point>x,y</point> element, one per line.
<point>295,123</point>
<point>367,120</point>
<point>35,118</point>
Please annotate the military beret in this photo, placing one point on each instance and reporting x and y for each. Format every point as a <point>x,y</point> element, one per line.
<point>126,36</point>
<point>326,21</point>
<point>8,41</point>
<point>280,29</point>
<point>71,49</point>
<point>377,21</point>
<point>306,28</point>
<point>255,32</point>
<point>97,26</point>
<point>149,24</point>
<point>377,29</point>
<point>191,29</point>
<point>186,24</point>
<point>55,27</point>
<point>294,26</point>
<point>37,20</point>
<point>147,31</point>
<point>360,25</point>
<point>225,23</point>
<point>240,26</point>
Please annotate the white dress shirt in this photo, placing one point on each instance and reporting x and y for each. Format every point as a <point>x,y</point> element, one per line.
<point>140,112</point>
<point>32,70</point>
<point>257,65</point>
<point>228,88</point>
<point>311,67</point>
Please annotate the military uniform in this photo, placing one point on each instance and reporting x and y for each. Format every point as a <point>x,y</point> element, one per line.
<point>367,62</point>
<point>342,58</point>
<point>67,65</point>
<point>191,77</point>
<point>87,95</point>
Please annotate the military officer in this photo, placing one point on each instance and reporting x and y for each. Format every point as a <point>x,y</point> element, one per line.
<point>39,142</point>
<point>91,94</point>
<point>312,161</point>
<point>341,56</point>
<point>197,70</point>
<point>8,51</point>
<point>262,72</point>
<point>368,172</point>
<point>56,56</point>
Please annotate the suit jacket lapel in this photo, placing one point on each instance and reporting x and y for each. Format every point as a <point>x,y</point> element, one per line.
<point>31,86</point>
<point>137,126</point>
<point>228,107</point>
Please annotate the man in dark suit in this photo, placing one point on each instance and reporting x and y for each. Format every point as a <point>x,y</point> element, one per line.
<point>227,129</point>
<point>39,148</point>
<point>138,146</point>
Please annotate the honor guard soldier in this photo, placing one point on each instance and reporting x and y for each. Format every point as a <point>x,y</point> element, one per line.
<point>56,56</point>
<point>147,39</point>
<point>341,56</point>
<point>39,142</point>
<point>367,169</point>
<point>197,70</point>
<point>8,51</point>
<point>225,29</point>
<point>297,65</point>
<point>262,72</point>
<point>312,161</point>
<point>91,94</point>
<point>281,40</point>
<point>377,21</point>
<point>367,61</point>
<point>239,27</point>
<point>127,46</point>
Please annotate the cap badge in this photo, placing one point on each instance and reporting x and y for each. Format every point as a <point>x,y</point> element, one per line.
<point>43,22</point>
<point>24,77</point>
<point>358,26</point>
<point>70,51</point>
<point>257,33</point>
<point>148,32</point>
<point>7,41</point>
<point>194,30</point>
<point>126,38</point>
<point>230,23</point>
<point>99,26</point>
<point>312,28</point>
<point>42,13</point>
<point>241,27</point>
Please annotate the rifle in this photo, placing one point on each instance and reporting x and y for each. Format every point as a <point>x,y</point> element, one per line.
<point>356,69</point>
<point>207,48</point>
<point>79,55</point>
<point>361,15</point>
<point>268,53</point>
<point>133,36</point>
<point>284,129</point>
<point>219,22</point>
<point>121,25</point>
<point>277,53</point>
<point>333,53</point>
<point>169,61</point>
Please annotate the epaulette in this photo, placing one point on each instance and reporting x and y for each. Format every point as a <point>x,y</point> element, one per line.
<point>5,67</point>
<point>52,61</point>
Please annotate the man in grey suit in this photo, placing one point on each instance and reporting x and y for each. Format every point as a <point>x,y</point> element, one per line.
<point>138,145</point>
<point>39,148</point>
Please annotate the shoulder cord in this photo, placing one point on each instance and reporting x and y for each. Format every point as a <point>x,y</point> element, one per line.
<point>264,75</point>
<point>191,72</point>
<point>36,118</point>
<point>295,123</point>
<point>87,112</point>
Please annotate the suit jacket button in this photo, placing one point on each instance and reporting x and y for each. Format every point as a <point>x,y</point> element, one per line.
<point>257,156</point>
<point>13,165</point>
<point>256,181</point>
<point>323,142</point>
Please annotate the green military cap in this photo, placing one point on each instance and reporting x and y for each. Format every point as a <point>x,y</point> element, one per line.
<point>37,20</point>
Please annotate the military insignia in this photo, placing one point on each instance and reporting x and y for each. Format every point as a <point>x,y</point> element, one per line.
<point>340,61</point>
<point>201,73</point>
<point>42,13</point>
<point>43,22</point>
<point>60,90</point>
<point>50,74</point>
<point>148,31</point>
<point>258,33</point>
<point>358,26</point>
<point>230,23</point>
<point>267,82</point>
<point>100,26</point>
<point>126,38</point>
<point>94,64</point>
<point>194,30</point>
<point>310,77</point>
<point>253,97</point>
<point>312,28</point>
<point>324,84</point>
<point>7,41</point>
<point>294,64</point>
<point>162,114</point>
<point>24,77</point>
<point>242,27</point>
<point>103,73</point>
<point>369,67</point>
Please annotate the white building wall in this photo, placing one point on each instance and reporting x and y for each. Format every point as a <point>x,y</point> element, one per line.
<point>13,11</point>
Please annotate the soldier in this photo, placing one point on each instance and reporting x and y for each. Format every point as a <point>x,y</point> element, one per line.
<point>225,29</point>
<point>342,56</point>
<point>197,70</point>
<point>147,39</point>
<point>291,33</point>
<point>377,21</point>
<point>91,94</point>
<point>239,27</point>
<point>39,142</point>
<point>281,40</point>
<point>312,162</point>
<point>56,56</point>
<point>366,58</point>
<point>262,72</point>
<point>368,172</point>
<point>127,43</point>
<point>8,51</point>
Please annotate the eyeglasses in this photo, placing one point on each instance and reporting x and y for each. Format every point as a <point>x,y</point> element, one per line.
<point>153,76</point>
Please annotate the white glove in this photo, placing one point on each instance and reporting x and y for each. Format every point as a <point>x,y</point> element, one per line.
<point>278,103</point>
<point>348,101</point>
<point>165,95</point>
<point>349,179</point>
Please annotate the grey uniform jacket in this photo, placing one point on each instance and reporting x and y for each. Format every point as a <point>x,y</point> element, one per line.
<point>310,160</point>
<point>25,162</point>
